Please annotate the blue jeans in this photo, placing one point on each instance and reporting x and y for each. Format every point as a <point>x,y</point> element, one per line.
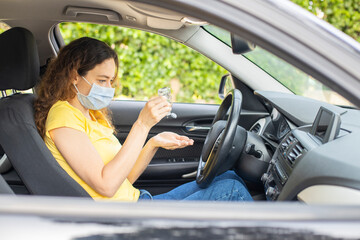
<point>225,187</point>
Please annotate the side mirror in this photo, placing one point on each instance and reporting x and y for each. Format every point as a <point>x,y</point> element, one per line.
<point>226,84</point>
<point>240,46</point>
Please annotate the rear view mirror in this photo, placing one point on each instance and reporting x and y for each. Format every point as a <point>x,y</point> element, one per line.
<point>226,84</point>
<point>240,46</point>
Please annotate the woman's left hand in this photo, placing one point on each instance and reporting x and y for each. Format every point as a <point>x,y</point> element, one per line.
<point>171,141</point>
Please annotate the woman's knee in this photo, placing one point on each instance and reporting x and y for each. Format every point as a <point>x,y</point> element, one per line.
<point>234,190</point>
<point>228,175</point>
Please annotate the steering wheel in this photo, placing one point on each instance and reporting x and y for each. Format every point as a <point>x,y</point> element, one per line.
<point>224,142</point>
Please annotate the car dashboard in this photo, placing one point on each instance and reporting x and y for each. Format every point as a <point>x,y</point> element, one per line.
<point>313,150</point>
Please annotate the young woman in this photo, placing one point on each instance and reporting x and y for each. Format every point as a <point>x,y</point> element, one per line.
<point>71,115</point>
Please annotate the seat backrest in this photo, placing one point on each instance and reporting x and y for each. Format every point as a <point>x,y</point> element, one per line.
<point>26,150</point>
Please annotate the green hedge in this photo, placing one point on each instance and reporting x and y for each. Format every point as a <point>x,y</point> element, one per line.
<point>149,62</point>
<point>3,27</point>
<point>343,14</point>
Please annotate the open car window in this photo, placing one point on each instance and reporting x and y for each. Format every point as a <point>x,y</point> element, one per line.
<point>291,77</point>
<point>148,62</point>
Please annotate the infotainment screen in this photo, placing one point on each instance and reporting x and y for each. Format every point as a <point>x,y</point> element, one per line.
<point>326,125</point>
<point>323,125</point>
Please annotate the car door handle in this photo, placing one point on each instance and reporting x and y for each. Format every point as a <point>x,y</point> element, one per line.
<point>196,128</point>
<point>189,175</point>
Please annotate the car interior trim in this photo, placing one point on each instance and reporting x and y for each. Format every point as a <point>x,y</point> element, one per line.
<point>289,106</point>
<point>261,122</point>
<point>109,14</point>
<point>329,194</point>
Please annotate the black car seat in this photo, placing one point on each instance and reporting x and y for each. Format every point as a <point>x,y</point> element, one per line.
<point>24,147</point>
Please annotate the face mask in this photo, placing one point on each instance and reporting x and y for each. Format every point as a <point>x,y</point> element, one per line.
<point>98,98</point>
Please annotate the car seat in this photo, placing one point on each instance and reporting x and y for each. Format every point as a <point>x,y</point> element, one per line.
<point>23,145</point>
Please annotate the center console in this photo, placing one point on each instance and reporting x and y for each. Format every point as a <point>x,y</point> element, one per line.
<point>294,147</point>
<point>289,152</point>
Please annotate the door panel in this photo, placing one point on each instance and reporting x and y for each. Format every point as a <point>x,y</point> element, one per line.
<point>170,168</point>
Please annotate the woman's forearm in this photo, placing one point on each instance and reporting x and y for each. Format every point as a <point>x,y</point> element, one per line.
<point>117,170</point>
<point>146,154</point>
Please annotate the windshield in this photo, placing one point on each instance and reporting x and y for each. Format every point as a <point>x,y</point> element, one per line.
<point>291,77</point>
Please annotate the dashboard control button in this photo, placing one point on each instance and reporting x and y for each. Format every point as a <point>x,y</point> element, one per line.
<point>284,145</point>
<point>270,191</point>
<point>264,177</point>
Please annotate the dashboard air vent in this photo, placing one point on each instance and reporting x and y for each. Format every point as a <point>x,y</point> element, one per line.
<point>290,140</point>
<point>291,149</point>
<point>295,152</point>
<point>256,128</point>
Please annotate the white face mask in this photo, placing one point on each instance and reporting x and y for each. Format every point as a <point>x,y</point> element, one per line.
<point>98,98</point>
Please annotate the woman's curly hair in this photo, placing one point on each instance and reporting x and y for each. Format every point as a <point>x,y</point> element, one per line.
<point>78,57</point>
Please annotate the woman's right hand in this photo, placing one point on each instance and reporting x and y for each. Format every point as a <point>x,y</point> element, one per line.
<point>155,110</point>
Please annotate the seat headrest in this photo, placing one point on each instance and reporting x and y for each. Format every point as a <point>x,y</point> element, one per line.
<point>19,59</point>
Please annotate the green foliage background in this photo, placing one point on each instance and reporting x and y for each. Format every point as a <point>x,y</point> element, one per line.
<point>343,14</point>
<point>3,27</point>
<point>149,61</point>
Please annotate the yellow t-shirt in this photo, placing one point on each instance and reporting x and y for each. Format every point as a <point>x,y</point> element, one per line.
<point>62,114</point>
